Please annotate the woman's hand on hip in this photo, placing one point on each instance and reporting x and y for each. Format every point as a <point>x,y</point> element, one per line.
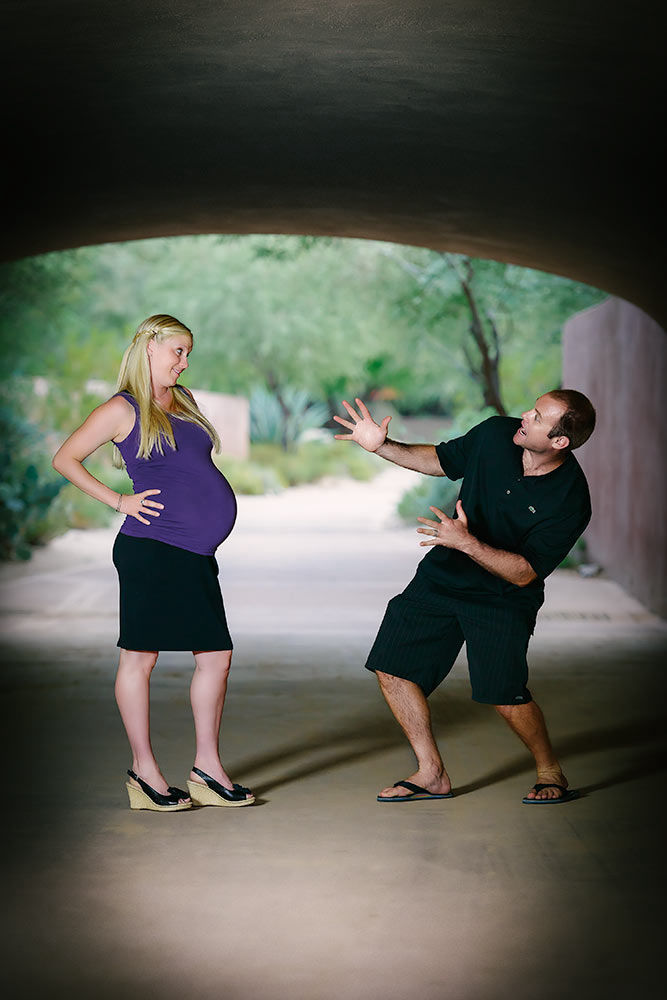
<point>136,504</point>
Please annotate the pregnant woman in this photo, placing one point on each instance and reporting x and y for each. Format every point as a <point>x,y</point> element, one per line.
<point>181,509</point>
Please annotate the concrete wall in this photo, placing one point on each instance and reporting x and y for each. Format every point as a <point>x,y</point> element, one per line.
<point>617,355</point>
<point>230,415</point>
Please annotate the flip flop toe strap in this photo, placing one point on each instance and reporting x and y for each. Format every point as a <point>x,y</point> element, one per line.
<point>411,787</point>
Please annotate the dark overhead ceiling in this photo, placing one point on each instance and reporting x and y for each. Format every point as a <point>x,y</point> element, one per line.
<point>525,130</point>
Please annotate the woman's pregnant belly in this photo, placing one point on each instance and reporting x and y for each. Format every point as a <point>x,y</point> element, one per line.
<point>199,510</point>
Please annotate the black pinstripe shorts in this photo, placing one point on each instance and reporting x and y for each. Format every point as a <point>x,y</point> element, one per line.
<point>423,631</point>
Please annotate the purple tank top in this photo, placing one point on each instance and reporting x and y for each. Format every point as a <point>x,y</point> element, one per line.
<point>199,504</point>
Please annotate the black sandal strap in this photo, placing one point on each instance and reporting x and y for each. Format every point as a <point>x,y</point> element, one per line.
<point>180,793</point>
<point>538,788</point>
<point>170,799</point>
<point>233,795</point>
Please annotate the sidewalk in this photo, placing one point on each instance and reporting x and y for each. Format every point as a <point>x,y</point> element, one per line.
<point>317,891</point>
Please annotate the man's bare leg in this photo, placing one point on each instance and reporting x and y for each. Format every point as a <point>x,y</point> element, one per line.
<point>528,723</point>
<point>410,708</point>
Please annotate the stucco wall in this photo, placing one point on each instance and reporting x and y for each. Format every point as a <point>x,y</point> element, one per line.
<point>230,415</point>
<point>617,355</point>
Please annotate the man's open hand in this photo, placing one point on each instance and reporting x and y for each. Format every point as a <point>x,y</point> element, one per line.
<point>365,431</point>
<point>448,531</point>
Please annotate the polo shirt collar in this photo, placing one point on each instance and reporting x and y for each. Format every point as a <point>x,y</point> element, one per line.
<point>549,477</point>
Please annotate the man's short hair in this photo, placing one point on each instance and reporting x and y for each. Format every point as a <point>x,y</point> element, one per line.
<point>578,421</point>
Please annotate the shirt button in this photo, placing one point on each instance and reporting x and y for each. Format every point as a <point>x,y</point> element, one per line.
<point>509,491</point>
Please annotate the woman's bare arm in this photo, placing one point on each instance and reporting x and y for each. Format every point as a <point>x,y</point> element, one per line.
<point>111,420</point>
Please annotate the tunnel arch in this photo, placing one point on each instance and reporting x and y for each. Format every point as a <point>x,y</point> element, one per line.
<point>518,132</point>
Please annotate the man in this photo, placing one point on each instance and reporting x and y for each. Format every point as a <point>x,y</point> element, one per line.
<point>523,503</point>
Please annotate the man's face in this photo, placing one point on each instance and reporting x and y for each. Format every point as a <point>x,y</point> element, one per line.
<point>536,425</point>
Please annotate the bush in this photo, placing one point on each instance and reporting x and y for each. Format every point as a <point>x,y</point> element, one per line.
<point>271,469</point>
<point>431,491</point>
<point>249,478</point>
<point>313,460</point>
<point>27,490</point>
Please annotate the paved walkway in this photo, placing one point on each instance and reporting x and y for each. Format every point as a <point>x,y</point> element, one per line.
<point>317,891</point>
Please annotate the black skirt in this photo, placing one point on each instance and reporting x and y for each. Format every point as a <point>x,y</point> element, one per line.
<point>169,598</point>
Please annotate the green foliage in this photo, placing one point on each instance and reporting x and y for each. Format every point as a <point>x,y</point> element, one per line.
<point>271,469</point>
<point>437,491</point>
<point>331,317</point>
<point>528,309</point>
<point>430,491</point>
<point>284,420</point>
<point>313,460</point>
<point>26,490</point>
<point>249,477</point>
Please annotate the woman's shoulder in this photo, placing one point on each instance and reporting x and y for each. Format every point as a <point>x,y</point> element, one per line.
<point>125,399</point>
<point>121,409</point>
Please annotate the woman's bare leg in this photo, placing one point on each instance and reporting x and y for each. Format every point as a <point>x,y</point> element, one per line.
<point>133,698</point>
<point>207,697</point>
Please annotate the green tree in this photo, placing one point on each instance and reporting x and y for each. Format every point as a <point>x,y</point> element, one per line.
<point>495,325</point>
<point>329,317</point>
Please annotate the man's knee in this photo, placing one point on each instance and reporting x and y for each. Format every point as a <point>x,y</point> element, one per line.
<point>391,684</point>
<point>390,681</point>
<point>510,712</point>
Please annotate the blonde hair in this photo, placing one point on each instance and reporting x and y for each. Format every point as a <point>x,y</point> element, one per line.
<point>135,377</point>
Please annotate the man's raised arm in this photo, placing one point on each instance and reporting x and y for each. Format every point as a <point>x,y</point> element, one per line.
<point>372,437</point>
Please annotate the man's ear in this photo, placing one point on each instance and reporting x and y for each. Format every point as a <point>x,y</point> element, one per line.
<point>560,442</point>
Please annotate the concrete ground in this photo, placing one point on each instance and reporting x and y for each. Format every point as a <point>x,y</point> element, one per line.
<point>318,892</point>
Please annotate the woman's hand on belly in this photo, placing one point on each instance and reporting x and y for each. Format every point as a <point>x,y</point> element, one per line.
<point>136,504</point>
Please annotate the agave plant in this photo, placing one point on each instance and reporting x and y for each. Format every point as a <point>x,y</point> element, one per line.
<point>283,418</point>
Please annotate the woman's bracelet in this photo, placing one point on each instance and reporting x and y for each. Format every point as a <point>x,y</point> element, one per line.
<point>120,500</point>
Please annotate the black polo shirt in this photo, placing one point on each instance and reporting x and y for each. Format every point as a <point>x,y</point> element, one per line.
<point>538,517</point>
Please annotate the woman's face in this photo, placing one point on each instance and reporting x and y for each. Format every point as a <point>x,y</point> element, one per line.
<point>168,360</point>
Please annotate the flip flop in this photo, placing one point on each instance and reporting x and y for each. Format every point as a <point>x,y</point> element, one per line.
<point>568,795</point>
<point>417,794</point>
